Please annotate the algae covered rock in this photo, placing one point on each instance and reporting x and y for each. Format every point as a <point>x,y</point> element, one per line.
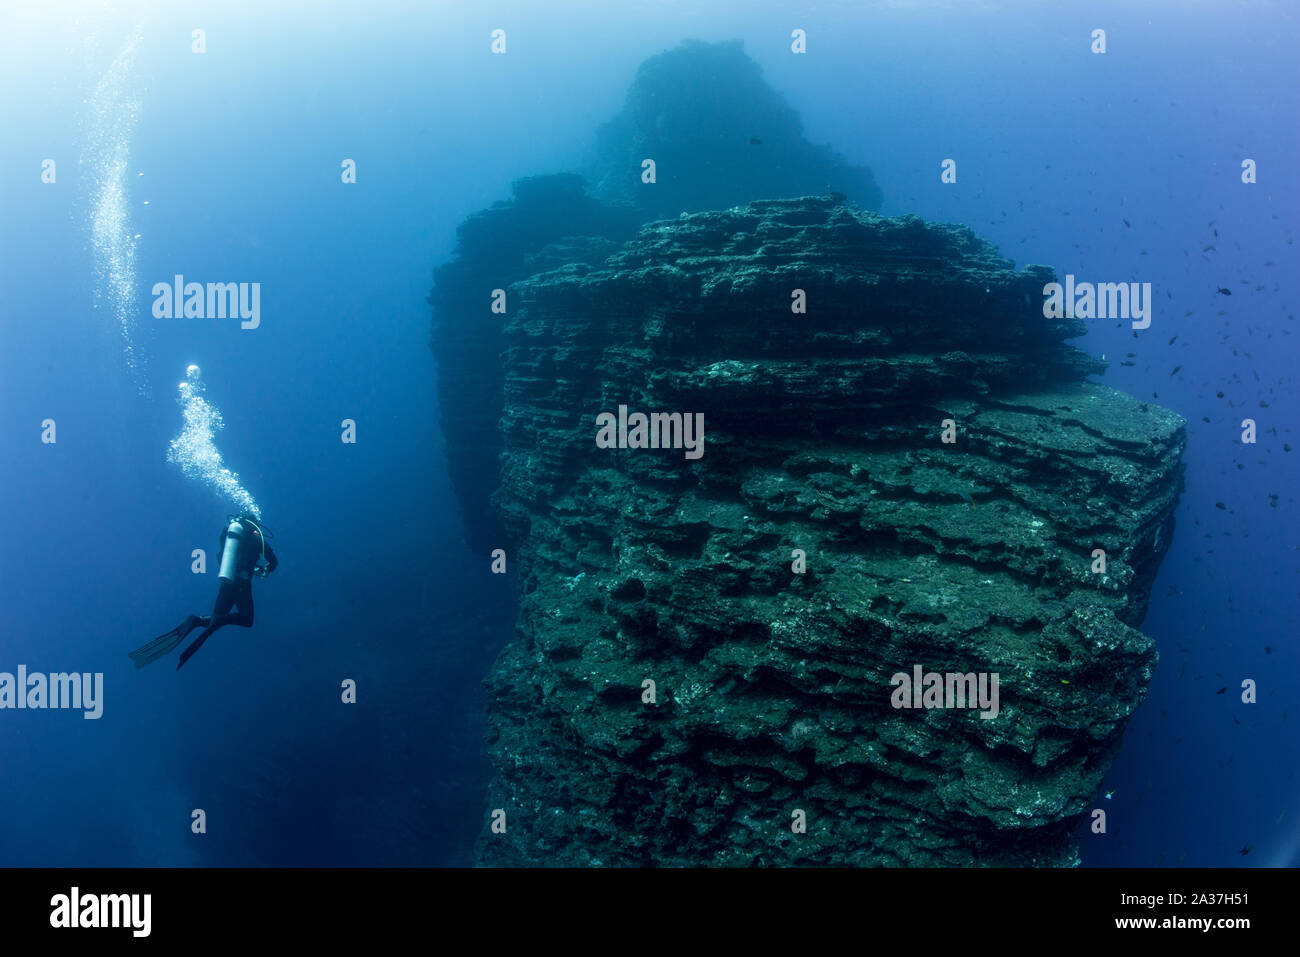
<point>703,666</point>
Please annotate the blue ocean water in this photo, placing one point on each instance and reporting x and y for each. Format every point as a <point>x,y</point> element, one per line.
<point>1115,166</point>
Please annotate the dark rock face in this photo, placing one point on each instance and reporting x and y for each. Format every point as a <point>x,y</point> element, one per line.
<point>719,136</point>
<point>823,434</point>
<point>549,221</point>
<point>696,108</point>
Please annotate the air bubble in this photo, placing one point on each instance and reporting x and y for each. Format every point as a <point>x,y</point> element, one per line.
<point>195,449</point>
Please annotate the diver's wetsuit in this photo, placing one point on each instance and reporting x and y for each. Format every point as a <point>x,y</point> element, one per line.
<point>231,593</point>
<point>237,575</point>
<point>242,546</point>
<point>239,590</point>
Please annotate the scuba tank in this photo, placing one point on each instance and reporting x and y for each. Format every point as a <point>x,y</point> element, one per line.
<point>240,532</point>
<point>230,552</point>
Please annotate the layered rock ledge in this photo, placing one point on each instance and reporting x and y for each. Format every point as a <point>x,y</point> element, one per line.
<point>718,135</point>
<point>822,434</point>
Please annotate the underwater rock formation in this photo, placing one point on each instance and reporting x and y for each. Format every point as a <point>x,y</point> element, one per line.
<point>772,689</point>
<point>719,136</point>
<point>496,247</point>
<point>696,109</point>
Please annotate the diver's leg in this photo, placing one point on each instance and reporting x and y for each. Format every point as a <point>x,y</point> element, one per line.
<point>229,594</point>
<point>244,601</point>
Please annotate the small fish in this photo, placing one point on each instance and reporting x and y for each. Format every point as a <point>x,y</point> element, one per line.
<point>1224,292</point>
<point>754,141</point>
<point>1064,682</point>
<point>1126,223</point>
<point>1222,690</point>
<point>1173,340</point>
<point>1220,506</point>
<point>1177,369</point>
<point>1109,794</point>
<point>1247,849</point>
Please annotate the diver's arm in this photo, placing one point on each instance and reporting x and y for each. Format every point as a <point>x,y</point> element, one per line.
<point>271,561</point>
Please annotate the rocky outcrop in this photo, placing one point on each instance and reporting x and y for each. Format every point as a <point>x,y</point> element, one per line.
<point>718,135</point>
<point>823,434</point>
<point>536,229</point>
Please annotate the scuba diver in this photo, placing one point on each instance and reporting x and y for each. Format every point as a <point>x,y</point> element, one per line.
<point>243,546</point>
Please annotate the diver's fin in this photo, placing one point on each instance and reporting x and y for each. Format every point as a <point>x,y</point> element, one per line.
<point>198,643</point>
<point>164,644</point>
